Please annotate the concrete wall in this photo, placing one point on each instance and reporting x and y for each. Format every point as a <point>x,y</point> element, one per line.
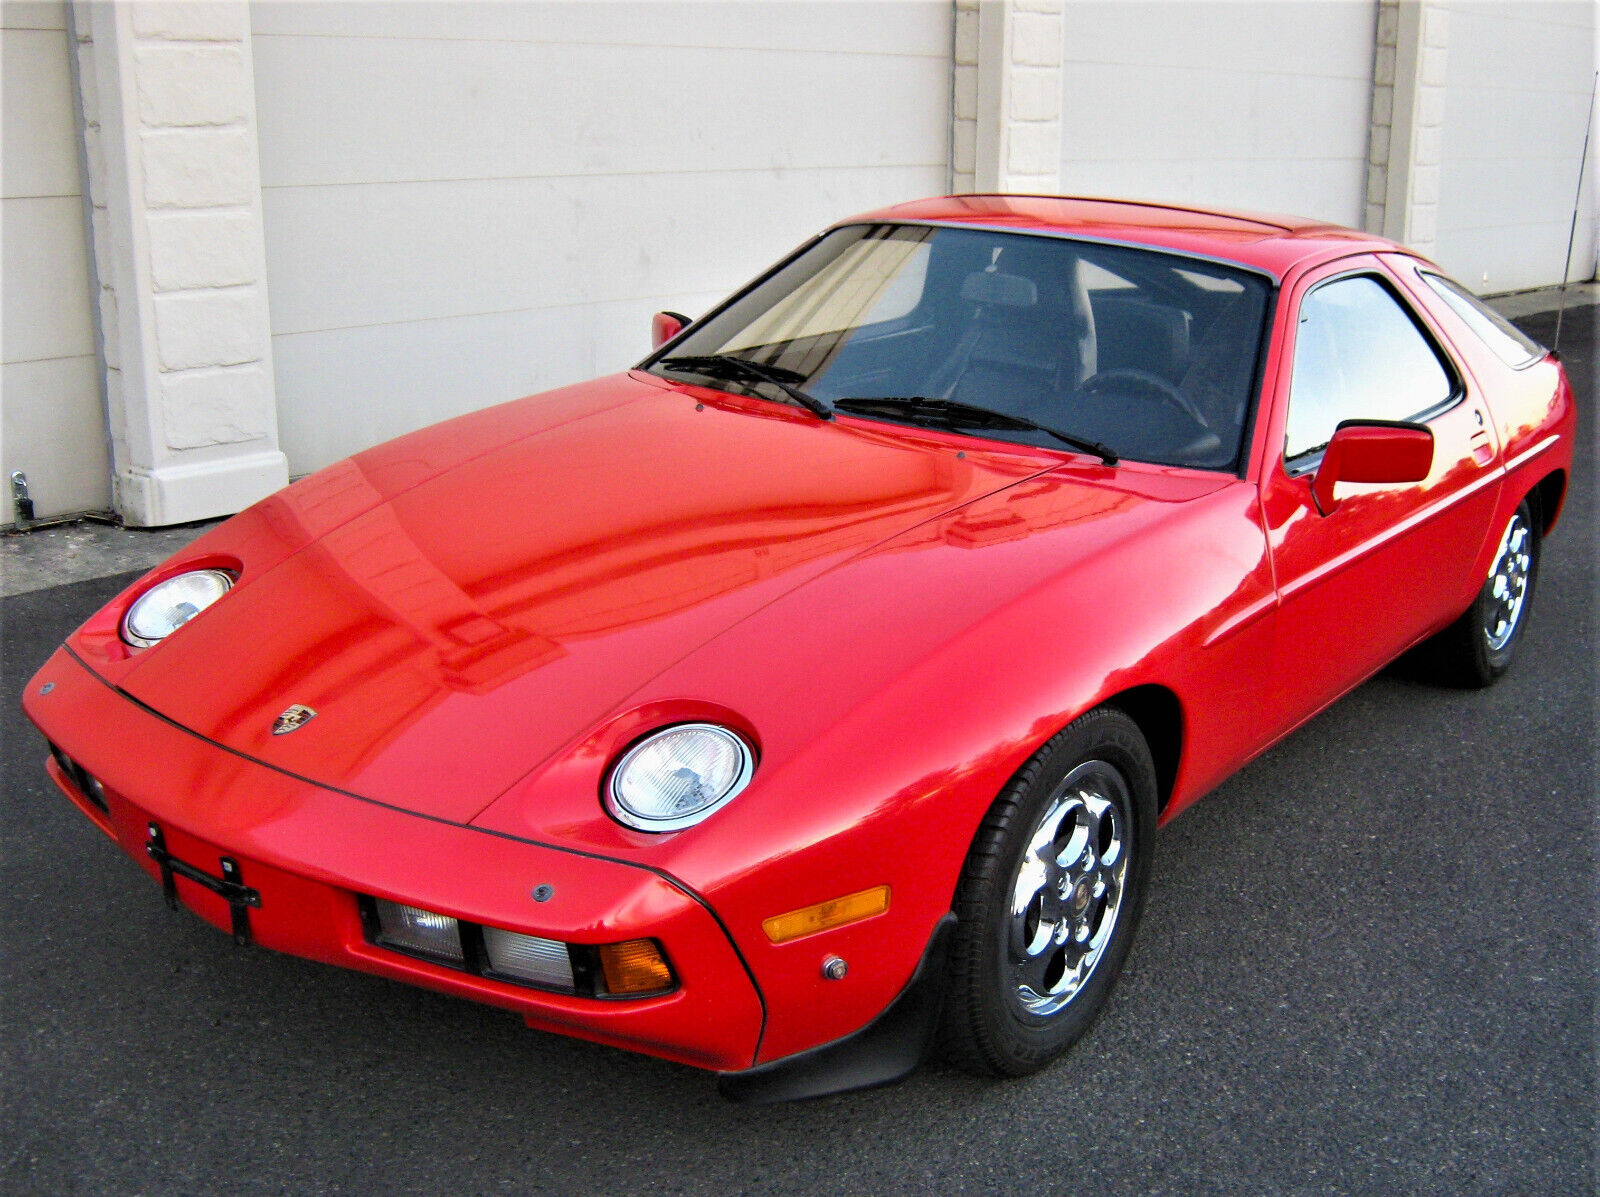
<point>468,202</point>
<point>1259,105</point>
<point>1517,86</point>
<point>54,425</point>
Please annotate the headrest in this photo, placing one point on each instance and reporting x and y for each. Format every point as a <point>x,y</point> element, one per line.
<point>1003,290</point>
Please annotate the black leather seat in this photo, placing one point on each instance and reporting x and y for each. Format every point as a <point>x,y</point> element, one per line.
<point>1029,338</point>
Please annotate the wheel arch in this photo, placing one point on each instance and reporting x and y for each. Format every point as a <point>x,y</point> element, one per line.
<point>1546,498</point>
<point>1159,715</point>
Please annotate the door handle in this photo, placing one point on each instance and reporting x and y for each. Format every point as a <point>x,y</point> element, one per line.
<point>1482,448</point>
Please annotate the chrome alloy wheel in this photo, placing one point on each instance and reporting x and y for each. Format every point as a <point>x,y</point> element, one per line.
<point>1508,583</point>
<point>1068,890</point>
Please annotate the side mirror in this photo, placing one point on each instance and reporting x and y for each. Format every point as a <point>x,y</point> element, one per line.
<point>666,325</point>
<point>1372,451</point>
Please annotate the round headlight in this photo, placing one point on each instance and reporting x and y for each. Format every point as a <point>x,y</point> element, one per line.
<point>167,606</point>
<point>678,776</point>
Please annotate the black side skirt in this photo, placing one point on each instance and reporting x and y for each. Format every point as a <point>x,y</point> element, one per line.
<point>887,1049</point>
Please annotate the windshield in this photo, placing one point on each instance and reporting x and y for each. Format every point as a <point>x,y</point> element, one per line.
<point>1151,353</point>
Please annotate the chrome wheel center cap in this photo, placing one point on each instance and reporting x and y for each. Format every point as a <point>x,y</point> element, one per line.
<point>1080,898</point>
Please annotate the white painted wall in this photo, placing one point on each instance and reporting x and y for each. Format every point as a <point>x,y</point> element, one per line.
<point>53,425</point>
<point>469,202</point>
<point>1517,93</point>
<point>1262,106</point>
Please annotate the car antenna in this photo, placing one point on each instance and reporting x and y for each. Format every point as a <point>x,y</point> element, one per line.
<point>1566,266</point>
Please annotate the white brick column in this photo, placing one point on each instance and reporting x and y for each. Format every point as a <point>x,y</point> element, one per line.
<point>1006,107</point>
<point>1408,92</point>
<point>168,101</point>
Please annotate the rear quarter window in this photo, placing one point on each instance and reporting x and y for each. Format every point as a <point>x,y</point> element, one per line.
<point>1493,329</point>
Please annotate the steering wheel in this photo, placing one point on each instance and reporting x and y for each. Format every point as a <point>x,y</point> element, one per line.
<point>1153,383</point>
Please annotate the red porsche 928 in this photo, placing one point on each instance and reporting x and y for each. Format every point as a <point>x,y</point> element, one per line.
<point>813,691</point>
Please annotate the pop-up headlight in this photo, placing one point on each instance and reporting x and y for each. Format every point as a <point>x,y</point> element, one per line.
<point>678,776</point>
<point>167,606</point>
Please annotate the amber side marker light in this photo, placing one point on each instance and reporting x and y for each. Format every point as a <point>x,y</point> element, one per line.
<point>634,966</point>
<point>851,908</point>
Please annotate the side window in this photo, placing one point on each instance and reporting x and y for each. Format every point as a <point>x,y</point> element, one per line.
<point>1498,333</point>
<point>1357,356</point>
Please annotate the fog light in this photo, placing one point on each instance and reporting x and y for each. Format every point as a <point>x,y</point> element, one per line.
<point>411,929</point>
<point>80,777</point>
<point>635,966</point>
<point>528,958</point>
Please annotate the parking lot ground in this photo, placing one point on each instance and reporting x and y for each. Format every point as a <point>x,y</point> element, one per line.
<point>1368,965</point>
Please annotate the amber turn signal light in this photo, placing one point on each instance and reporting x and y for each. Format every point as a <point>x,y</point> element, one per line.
<point>634,966</point>
<point>836,912</point>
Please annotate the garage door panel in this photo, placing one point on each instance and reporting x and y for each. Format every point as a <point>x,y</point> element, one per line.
<point>359,377</point>
<point>36,124</point>
<point>1272,36</point>
<point>46,301</point>
<point>1551,35</point>
<point>411,109</point>
<point>54,431</point>
<point>360,386</point>
<point>36,14</point>
<point>1261,106</point>
<point>1501,123</point>
<point>364,255</point>
<point>875,26</point>
<point>354,256</point>
<point>1246,115</point>
<point>1517,81</point>
<point>466,203</point>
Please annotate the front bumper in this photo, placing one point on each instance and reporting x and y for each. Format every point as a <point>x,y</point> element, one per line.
<point>308,854</point>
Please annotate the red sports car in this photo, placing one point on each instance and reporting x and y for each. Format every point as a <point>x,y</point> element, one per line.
<point>816,688</point>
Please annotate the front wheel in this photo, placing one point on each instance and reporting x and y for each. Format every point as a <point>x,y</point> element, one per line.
<point>1049,898</point>
<point>1478,647</point>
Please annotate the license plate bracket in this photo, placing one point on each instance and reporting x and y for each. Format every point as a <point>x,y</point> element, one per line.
<point>230,886</point>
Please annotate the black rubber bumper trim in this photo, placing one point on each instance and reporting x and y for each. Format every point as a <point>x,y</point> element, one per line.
<point>886,1050</point>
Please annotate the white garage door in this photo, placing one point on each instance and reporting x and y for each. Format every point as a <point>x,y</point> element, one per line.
<point>1262,106</point>
<point>54,427</point>
<point>469,202</point>
<point>1517,92</point>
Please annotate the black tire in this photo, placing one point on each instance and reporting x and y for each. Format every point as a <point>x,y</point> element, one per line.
<point>996,1022</point>
<point>1477,648</point>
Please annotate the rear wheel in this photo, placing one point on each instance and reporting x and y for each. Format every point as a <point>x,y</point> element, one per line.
<point>1049,898</point>
<point>1478,647</point>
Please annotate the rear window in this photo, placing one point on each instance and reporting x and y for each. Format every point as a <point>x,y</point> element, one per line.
<point>1493,329</point>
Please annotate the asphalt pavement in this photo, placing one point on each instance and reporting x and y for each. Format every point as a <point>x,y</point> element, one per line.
<point>1368,965</point>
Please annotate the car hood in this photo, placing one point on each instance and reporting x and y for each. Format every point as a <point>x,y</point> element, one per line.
<point>461,604</point>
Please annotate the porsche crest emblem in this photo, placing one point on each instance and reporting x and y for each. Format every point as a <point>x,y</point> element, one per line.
<point>293,719</point>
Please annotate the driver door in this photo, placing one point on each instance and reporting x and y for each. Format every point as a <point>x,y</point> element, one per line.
<point>1389,563</point>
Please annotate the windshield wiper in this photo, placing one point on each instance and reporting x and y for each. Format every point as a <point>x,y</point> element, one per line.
<point>728,365</point>
<point>956,414</point>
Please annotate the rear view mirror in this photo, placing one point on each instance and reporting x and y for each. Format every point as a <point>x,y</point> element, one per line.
<point>666,325</point>
<point>1372,451</point>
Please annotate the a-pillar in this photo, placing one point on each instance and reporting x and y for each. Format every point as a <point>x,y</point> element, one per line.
<point>168,98</point>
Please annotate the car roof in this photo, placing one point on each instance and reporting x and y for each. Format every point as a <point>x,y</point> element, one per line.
<point>1270,243</point>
